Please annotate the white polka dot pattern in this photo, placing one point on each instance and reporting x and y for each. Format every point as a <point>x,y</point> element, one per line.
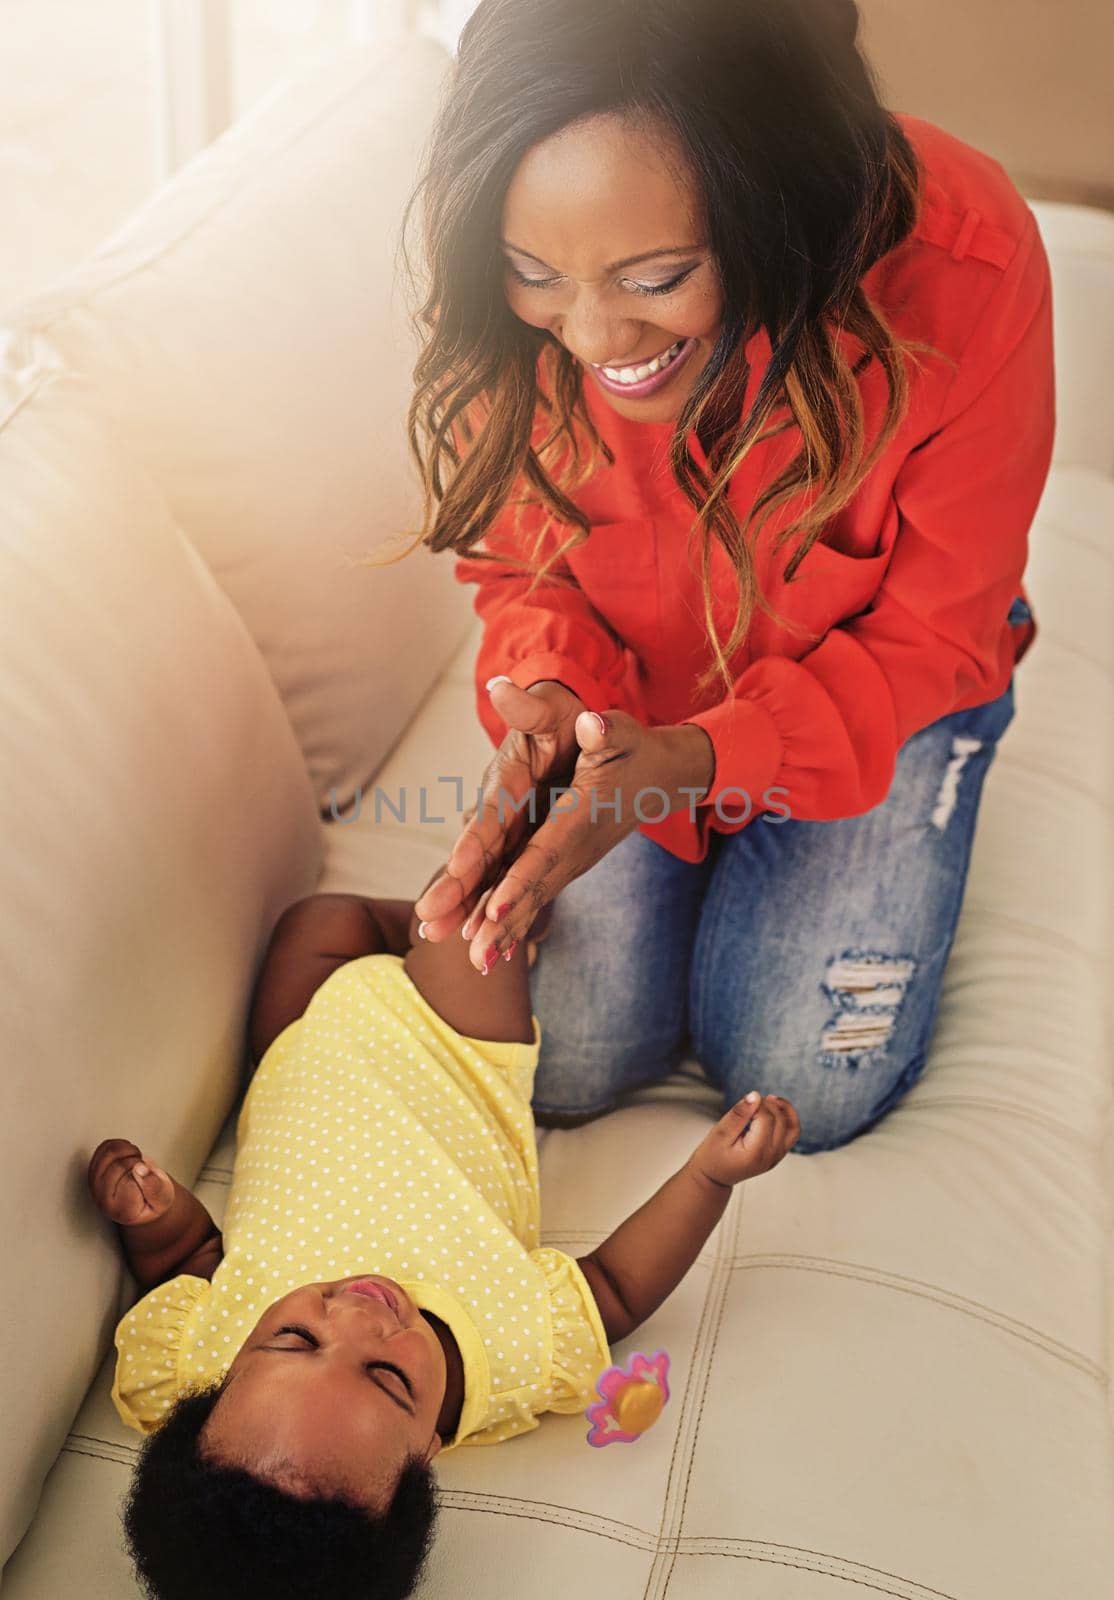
<point>374,1138</point>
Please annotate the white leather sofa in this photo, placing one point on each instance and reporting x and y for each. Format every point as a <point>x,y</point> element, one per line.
<point>891,1364</point>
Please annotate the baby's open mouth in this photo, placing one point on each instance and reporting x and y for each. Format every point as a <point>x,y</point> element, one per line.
<point>373,1291</point>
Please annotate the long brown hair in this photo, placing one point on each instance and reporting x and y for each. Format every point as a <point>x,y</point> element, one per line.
<point>805,180</point>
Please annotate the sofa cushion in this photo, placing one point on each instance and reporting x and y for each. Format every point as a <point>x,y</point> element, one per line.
<point>246,333</point>
<point>156,816</point>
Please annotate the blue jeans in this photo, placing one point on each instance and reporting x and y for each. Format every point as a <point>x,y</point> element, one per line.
<point>799,958</point>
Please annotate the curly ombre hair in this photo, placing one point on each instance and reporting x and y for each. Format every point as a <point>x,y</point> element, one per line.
<point>805,181</point>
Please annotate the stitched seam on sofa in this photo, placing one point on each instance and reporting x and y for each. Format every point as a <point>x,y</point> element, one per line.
<point>832,1566</point>
<point>593,1236</point>
<point>724,1544</point>
<point>883,1277</point>
<point>696,1429</point>
<point>942,1297</point>
<point>719,1282</point>
<point>717,1286</point>
<point>910,1590</point>
<point>245,181</point>
<point>95,1455</point>
<point>559,1516</point>
<point>112,1444</point>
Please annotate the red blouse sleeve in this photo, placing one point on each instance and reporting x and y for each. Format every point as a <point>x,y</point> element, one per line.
<point>827,727</point>
<point>553,633</point>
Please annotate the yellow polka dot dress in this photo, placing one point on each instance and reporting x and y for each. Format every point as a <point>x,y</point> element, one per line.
<point>374,1138</point>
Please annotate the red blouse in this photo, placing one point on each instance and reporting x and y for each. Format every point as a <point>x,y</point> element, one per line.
<point>907,595</point>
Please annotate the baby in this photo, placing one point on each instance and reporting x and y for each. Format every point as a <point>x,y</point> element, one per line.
<point>379,1292</point>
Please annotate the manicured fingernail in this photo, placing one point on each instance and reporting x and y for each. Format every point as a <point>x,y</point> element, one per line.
<point>501,910</point>
<point>142,1168</point>
<point>421,929</point>
<point>753,1096</point>
<point>602,724</point>
<point>500,677</point>
<point>492,958</point>
<point>510,951</point>
<point>464,934</point>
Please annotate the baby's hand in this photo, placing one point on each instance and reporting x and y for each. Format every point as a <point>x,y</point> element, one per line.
<point>125,1186</point>
<point>749,1140</point>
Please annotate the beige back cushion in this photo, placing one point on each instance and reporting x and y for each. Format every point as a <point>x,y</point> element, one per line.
<point>155,816</point>
<point>247,336</point>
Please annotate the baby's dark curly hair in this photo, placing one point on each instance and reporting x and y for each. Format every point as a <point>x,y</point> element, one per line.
<point>195,1527</point>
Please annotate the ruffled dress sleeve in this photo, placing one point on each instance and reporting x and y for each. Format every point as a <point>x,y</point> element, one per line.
<point>580,1350</point>
<point>148,1339</point>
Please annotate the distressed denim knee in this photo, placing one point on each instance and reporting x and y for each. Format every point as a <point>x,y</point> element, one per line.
<point>846,1061</point>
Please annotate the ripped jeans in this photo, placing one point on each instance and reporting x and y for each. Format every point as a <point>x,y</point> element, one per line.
<point>799,958</point>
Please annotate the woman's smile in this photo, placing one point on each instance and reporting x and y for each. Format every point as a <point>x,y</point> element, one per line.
<point>646,377</point>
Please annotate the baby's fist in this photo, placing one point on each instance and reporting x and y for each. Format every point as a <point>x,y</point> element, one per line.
<point>750,1139</point>
<point>126,1187</point>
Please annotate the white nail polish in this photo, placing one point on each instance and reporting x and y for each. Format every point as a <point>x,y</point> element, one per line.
<point>500,677</point>
<point>421,929</point>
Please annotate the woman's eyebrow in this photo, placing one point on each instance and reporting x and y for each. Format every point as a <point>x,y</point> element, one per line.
<point>627,261</point>
<point>310,1350</point>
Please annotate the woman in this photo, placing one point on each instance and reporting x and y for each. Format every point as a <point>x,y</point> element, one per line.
<point>749,383</point>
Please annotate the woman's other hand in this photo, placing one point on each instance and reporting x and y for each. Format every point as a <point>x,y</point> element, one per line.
<point>624,774</point>
<point>126,1186</point>
<point>539,751</point>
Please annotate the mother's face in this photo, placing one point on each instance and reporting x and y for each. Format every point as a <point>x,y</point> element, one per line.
<point>579,205</point>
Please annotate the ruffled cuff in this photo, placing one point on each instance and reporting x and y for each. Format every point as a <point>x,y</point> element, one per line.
<point>148,1340</point>
<point>580,1347</point>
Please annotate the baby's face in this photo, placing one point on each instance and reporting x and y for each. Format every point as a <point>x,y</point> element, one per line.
<point>335,1386</point>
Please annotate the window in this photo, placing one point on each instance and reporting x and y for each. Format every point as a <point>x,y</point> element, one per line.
<point>101,103</point>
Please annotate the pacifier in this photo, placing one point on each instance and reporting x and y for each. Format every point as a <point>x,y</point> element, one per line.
<point>632,1398</point>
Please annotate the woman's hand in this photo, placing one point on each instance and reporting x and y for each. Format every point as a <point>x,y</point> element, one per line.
<point>127,1187</point>
<point>540,750</point>
<point>624,774</point>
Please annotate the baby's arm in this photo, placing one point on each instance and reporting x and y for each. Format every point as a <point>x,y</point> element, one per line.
<point>644,1260</point>
<point>164,1229</point>
<point>493,1007</point>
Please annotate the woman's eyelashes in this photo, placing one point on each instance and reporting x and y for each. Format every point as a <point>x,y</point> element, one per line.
<point>639,288</point>
<point>387,1366</point>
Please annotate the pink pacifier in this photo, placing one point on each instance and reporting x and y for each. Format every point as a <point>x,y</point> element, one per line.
<point>633,1397</point>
